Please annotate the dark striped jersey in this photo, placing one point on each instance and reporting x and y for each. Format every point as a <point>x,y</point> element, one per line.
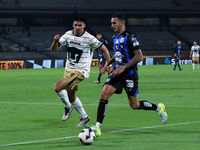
<point>177,50</point>
<point>99,53</point>
<point>124,46</point>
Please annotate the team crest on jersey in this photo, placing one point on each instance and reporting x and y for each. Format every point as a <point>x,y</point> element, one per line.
<point>122,40</point>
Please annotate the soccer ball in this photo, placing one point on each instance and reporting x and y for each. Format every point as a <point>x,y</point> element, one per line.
<point>86,136</point>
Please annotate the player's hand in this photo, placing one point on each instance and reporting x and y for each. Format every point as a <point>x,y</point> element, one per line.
<point>190,56</point>
<point>56,37</point>
<point>103,70</point>
<point>117,71</point>
<point>109,69</point>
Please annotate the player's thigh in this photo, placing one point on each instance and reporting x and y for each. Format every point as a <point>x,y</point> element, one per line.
<point>112,85</point>
<point>73,78</point>
<point>197,60</point>
<point>133,102</point>
<point>130,84</point>
<point>107,91</point>
<point>60,85</point>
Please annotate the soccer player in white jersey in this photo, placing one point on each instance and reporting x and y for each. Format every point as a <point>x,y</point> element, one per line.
<point>194,53</point>
<point>80,46</point>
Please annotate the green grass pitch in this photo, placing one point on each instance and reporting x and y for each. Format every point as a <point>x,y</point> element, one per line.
<point>31,111</point>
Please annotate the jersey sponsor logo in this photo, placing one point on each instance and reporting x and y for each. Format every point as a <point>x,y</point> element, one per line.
<point>75,43</point>
<point>118,58</point>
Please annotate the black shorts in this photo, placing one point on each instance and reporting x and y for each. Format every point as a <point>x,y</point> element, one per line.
<point>128,82</point>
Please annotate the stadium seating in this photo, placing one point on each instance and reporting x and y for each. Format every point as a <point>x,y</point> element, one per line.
<point>105,4</point>
<point>21,55</point>
<point>152,40</point>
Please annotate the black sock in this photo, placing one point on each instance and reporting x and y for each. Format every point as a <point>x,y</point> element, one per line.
<point>179,66</point>
<point>174,66</point>
<point>101,112</point>
<point>99,77</point>
<point>147,105</point>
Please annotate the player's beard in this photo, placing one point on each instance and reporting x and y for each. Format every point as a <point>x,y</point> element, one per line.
<point>116,29</point>
<point>78,32</point>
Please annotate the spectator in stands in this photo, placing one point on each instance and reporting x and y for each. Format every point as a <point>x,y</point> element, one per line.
<point>177,51</point>
<point>194,53</point>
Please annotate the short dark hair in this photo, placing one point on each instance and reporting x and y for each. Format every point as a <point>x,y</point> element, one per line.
<point>79,18</point>
<point>99,33</point>
<point>120,17</point>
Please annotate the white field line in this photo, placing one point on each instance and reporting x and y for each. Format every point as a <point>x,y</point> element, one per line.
<point>116,131</point>
<point>122,105</point>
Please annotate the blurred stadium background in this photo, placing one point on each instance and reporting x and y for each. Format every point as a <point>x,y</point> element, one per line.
<point>27,27</point>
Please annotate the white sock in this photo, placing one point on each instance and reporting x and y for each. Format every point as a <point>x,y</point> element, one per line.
<point>99,125</point>
<point>193,66</point>
<point>64,98</point>
<point>198,66</point>
<point>79,108</point>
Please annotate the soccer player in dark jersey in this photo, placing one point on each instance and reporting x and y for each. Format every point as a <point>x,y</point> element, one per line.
<point>177,51</point>
<point>100,55</point>
<point>127,54</point>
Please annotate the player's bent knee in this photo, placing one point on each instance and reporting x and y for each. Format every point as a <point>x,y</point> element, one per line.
<point>135,106</point>
<point>57,89</point>
<point>104,95</point>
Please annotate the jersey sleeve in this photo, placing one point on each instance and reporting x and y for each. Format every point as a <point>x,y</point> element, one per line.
<point>133,42</point>
<point>63,40</point>
<point>192,48</point>
<point>106,44</point>
<point>94,43</point>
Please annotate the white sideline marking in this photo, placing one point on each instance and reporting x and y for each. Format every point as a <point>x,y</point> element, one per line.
<point>116,131</point>
<point>123,105</point>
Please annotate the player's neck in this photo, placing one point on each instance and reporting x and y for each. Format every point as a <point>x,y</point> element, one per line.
<point>121,31</point>
<point>78,34</point>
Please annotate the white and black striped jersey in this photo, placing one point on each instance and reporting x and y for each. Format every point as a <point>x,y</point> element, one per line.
<point>79,51</point>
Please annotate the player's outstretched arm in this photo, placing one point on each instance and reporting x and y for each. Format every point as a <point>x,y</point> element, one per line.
<point>106,67</point>
<point>105,52</point>
<point>107,57</point>
<point>54,45</point>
